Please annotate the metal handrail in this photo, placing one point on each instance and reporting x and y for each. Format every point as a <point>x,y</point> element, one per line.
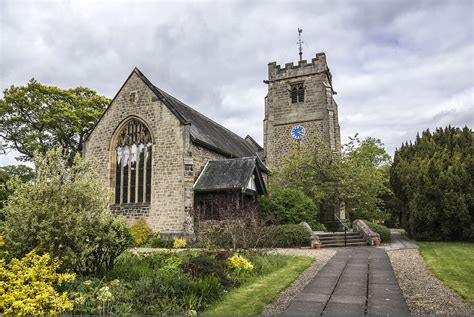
<point>345,229</point>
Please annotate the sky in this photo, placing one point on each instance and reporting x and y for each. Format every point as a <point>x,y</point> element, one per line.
<point>399,67</point>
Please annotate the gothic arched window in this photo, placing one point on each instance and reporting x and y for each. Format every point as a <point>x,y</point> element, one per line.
<point>133,164</point>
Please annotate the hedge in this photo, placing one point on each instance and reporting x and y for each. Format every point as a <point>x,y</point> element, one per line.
<point>285,236</point>
<point>279,236</point>
<point>383,231</point>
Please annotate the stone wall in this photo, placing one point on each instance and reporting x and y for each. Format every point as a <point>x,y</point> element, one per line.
<point>166,211</point>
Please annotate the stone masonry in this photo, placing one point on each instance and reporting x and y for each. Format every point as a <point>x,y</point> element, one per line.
<point>166,211</point>
<point>317,113</point>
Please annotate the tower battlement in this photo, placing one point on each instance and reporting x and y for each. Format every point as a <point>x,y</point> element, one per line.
<point>317,65</point>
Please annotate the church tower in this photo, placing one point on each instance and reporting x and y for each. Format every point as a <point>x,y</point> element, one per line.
<point>299,106</point>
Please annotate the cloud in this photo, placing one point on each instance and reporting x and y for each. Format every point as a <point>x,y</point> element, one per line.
<point>398,66</point>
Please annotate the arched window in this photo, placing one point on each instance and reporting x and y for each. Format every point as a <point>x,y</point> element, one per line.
<point>297,93</point>
<point>133,164</point>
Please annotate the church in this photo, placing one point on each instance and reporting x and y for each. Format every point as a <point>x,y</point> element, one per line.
<point>162,158</point>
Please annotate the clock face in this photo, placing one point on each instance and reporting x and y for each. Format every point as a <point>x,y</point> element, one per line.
<point>297,132</point>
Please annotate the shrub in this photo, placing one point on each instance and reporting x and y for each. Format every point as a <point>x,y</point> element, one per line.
<point>140,232</point>
<point>64,211</point>
<point>289,206</point>
<point>239,263</point>
<point>159,243</point>
<point>383,231</point>
<point>27,286</point>
<point>179,244</point>
<point>285,236</point>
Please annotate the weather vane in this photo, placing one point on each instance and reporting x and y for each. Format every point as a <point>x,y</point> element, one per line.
<point>300,41</point>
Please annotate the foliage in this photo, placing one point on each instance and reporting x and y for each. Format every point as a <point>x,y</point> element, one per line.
<point>432,181</point>
<point>140,232</point>
<point>365,182</point>
<point>160,243</point>
<point>252,298</point>
<point>285,236</point>
<point>27,286</point>
<point>179,243</point>
<point>239,263</point>
<point>64,211</point>
<point>357,178</point>
<point>8,173</point>
<point>383,231</point>
<point>94,296</point>
<point>36,117</point>
<point>289,206</point>
<point>452,263</point>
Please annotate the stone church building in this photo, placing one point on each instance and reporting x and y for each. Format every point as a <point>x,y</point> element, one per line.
<point>162,158</point>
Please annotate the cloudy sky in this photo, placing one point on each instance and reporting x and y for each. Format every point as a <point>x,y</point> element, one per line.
<point>398,66</point>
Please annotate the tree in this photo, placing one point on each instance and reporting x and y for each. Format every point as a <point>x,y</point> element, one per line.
<point>7,173</point>
<point>365,181</point>
<point>432,181</point>
<point>358,177</point>
<point>36,117</point>
<point>64,211</point>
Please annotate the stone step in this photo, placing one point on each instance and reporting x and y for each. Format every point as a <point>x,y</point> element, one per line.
<point>342,241</point>
<point>341,244</point>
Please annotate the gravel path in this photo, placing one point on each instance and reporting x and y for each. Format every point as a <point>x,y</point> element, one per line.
<point>322,257</point>
<point>424,293</point>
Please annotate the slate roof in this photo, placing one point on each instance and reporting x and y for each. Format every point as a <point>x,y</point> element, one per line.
<point>204,131</point>
<point>229,174</point>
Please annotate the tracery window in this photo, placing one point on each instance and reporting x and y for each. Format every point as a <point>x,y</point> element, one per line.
<point>297,93</point>
<point>133,164</point>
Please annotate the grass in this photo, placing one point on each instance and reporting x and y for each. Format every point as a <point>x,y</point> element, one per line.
<point>452,263</point>
<point>252,297</point>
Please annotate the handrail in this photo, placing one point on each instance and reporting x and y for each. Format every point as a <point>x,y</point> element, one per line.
<point>345,229</point>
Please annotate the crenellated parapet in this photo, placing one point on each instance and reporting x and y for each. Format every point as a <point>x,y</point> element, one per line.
<point>303,68</point>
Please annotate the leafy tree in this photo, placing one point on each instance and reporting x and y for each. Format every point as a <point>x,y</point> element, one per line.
<point>432,181</point>
<point>365,167</point>
<point>36,117</point>
<point>7,173</point>
<point>64,211</point>
<point>358,178</point>
<point>289,206</point>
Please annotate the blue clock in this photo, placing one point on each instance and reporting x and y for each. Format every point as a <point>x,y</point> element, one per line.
<point>297,132</point>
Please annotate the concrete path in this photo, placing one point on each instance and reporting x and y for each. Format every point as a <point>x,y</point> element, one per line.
<point>357,281</point>
<point>399,242</point>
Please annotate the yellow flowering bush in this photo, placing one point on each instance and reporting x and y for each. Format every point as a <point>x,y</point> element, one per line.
<point>239,263</point>
<point>179,243</point>
<point>140,233</point>
<point>26,286</point>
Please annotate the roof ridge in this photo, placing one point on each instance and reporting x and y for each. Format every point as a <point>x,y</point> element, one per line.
<point>198,112</point>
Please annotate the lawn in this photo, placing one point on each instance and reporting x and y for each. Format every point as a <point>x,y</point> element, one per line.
<point>452,263</point>
<point>252,297</point>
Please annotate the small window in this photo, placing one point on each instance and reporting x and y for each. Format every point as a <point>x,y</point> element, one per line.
<point>297,93</point>
<point>133,97</point>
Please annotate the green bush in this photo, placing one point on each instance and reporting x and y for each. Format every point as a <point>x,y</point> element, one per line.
<point>285,236</point>
<point>160,243</point>
<point>64,211</point>
<point>289,206</point>
<point>383,231</point>
<point>140,232</point>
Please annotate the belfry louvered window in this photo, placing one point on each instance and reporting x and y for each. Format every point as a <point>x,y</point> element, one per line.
<point>297,93</point>
<point>133,164</point>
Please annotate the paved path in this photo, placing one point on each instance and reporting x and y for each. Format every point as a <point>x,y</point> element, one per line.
<point>357,281</point>
<point>399,242</point>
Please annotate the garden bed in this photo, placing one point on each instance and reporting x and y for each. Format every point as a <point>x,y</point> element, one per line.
<point>186,283</point>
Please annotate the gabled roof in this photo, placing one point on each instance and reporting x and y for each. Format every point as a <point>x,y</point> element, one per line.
<point>204,131</point>
<point>230,174</point>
